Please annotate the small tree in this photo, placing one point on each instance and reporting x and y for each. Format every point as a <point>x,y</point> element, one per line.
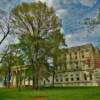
<point>6,64</point>
<point>9,58</point>
<point>91,23</point>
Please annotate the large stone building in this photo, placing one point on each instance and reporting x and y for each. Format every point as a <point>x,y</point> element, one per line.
<point>80,68</point>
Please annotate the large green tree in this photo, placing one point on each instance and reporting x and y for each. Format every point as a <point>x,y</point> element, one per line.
<point>38,27</point>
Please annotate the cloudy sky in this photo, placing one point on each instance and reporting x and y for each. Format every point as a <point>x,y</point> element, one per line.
<point>72,13</point>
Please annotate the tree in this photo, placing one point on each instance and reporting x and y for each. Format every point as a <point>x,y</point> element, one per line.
<point>57,53</point>
<point>6,64</point>
<point>9,58</point>
<point>5,29</point>
<point>92,23</point>
<point>39,27</point>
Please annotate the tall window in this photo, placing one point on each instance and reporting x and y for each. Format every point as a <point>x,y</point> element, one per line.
<point>70,56</point>
<point>90,76</point>
<point>82,56</point>
<point>61,79</point>
<point>66,79</point>
<point>72,79</point>
<point>56,79</point>
<point>82,53</point>
<point>76,57</point>
<point>78,78</point>
<point>85,77</point>
<point>71,75</point>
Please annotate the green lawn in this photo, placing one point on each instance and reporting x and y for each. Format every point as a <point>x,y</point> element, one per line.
<point>86,93</point>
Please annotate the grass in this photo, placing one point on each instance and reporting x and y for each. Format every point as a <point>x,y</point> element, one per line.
<point>75,93</point>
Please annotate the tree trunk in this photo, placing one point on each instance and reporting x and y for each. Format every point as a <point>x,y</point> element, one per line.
<point>8,77</point>
<point>53,79</point>
<point>33,82</point>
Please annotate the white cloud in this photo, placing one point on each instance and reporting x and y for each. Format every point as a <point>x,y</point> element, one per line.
<point>68,37</point>
<point>62,13</point>
<point>57,4</point>
<point>62,30</point>
<point>54,3</point>
<point>88,3</point>
<point>80,38</point>
<point>27,0</point>
<point>77,36</point>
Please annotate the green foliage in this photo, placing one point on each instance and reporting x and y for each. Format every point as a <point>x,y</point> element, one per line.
<point>38,30</point>
<point>92,22</point>
<point>9,58</point>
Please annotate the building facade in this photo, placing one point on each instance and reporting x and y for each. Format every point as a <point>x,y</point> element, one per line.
<point>80,68</point>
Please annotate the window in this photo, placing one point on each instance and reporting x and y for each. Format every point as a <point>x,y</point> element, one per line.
<point>75,53</point>
<point>77,78</point>
<point>66,79</point>
<point>90,76</point>
<point>66,75</point>
<point>61,79</point>
<point>56,79</point>
<point>72,79</point>
<point>75,57</point>
<point>82,56</point>
<point>70,56</point>
<point>85,77</point>
<point>76,67</point>
<point>71,75</point>
<point>77,74</point>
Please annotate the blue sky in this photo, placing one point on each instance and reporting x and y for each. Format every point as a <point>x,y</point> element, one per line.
<point>72,13</point>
